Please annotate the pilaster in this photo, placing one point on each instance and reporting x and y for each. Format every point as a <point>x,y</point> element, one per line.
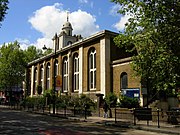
<point>32,80</point>
<point>105,65</point>
<point>70,60</point>
<point>81,70</point>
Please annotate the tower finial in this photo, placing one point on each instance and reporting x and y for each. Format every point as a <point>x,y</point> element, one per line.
<point>67,16</point>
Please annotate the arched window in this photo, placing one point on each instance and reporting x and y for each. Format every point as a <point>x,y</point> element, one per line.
<point>56,68</point>
<point>35,81</point>
<point>76,72</point>
<point>41,75</point>
<point>92,69</point>
<point>48,76</point>
<point>124,80</point>
<point>65,74</point>
<point>69,43</point>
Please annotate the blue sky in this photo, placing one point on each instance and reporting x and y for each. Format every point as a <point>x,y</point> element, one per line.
<point>34,22</point>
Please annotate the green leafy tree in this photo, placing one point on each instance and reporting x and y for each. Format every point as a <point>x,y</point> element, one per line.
<point>32,53</point>
<point>3,9</point>
<point>12,66</point>
<point>47,51</point>
<point>154,30</point>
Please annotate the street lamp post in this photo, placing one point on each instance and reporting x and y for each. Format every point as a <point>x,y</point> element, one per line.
<point>54,91</point>
<point>54,78</point>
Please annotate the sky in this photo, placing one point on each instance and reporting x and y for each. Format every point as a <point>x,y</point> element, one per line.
<point>34,22</point>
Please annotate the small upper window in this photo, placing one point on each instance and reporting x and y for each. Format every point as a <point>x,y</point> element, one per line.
<point>69,43</point>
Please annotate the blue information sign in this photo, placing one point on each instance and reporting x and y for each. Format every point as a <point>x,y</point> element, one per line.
<point>131,92</point>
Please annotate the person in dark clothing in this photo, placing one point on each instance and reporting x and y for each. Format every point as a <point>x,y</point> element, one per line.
<point>105,107</point>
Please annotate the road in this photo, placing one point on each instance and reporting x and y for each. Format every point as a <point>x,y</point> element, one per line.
<point>24,123</point>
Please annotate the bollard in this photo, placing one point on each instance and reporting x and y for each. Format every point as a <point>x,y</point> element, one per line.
<point>158,118</point>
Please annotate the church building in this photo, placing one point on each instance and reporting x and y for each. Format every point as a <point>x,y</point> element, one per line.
<point>90,66</point>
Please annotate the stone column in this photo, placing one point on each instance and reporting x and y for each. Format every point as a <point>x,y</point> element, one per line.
<point>38,74</point>
<point>60,72</point>
<point>105,65</point>
<point>32,80</point>
<point>51,72</point>
<point>80,70</point>
<point>70,60</point>
<point>44,77</point>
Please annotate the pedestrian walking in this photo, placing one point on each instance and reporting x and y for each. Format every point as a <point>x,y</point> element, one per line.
<point>105,107</point>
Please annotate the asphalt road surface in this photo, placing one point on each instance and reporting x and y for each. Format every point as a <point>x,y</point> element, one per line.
<point>24,123</point>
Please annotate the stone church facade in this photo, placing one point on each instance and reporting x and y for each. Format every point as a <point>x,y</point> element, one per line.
<point>91,66</point>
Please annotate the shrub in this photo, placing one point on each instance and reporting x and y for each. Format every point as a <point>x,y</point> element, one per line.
<point>84,100</point>
<point>49,95</point>
<point>111,99</point>
<point>34,101</point>
<point>63,101</point>
<point>127,102</point>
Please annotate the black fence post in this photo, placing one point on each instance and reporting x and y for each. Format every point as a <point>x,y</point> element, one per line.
<point>74,110</point>
<point>49,108</point>
<point>43,108</point>
<point>85,112</point>
<point>115,114</point>
<point>65,111</point>
<point>158,118</point>
<point>134,112</point>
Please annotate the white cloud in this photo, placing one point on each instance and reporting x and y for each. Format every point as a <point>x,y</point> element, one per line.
<point>83,23</point>
<point>86,2</point>
<point>83,1</point>
<point>24,43</point>
<point>91,4</point>
<point>120,25</point>
<point>114,10</point>
<point>49,20</point>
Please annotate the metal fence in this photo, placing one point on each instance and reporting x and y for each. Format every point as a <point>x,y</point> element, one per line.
<point>137,116</point>
<point>65,111</point>
<point>142,115</point>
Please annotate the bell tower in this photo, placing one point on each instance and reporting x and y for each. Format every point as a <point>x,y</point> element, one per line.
<point>65,37</point>
<point>67,27</point>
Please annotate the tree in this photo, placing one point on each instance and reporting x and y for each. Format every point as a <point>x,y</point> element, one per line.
<point>12,67</point>
<point>32,53</point>
<point>154,30</point>
<point>3,9</point>
<point>48,51</point>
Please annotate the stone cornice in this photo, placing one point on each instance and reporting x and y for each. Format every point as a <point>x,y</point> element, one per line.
<point>78,43</point>
<point>129,59</point>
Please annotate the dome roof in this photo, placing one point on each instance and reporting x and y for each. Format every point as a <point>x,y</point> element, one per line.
<point>67,25</point>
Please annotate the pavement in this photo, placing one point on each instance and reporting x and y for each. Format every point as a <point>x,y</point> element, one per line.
<point>141,125</point>
<point>123,123</point>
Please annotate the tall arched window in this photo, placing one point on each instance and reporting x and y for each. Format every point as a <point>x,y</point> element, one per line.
<point>41,75</point>
<point>92,69</point>
<point>76,72</point>
<point>35,81</point>
<point>65,74</point>
<point>124,80</point>
<point>56,68</point>
<point>48,76</point>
